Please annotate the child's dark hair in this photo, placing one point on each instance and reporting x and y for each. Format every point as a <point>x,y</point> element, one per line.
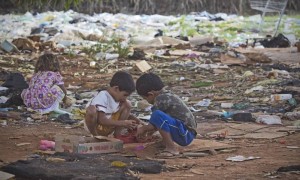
<point>124,81</point>
<point>47,62</point>
<point>148,82</point>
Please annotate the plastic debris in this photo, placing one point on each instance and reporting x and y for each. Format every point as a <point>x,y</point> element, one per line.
<point>240,158</point>
<point>203,103</point>
<point>268,119</point>
<point>119,164</point>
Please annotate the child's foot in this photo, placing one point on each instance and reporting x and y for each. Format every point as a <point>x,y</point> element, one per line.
<point>91,120</point>
<point>172,151</point>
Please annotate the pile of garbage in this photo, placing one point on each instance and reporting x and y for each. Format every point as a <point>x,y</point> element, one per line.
<point>216,59</point>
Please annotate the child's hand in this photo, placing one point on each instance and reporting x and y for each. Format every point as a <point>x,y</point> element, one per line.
<point>131,124</point>
<point>140,132</point>
<point>67,102</point>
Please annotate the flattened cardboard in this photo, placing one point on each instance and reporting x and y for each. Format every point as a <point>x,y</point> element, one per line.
<point>143,66</point>
<point>87,145</point>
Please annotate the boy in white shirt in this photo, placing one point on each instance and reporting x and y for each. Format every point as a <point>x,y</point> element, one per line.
<point>109,110</point>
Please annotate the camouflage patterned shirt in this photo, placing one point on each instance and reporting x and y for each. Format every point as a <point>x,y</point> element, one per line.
<point>172,105</point>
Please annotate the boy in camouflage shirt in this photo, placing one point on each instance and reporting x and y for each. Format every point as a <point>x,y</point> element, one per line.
<point>170,116</point>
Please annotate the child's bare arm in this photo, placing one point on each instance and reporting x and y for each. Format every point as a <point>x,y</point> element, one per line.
<point>132,117</point>
<point>103,120</point>
<point>64,90</point>
<point>146,128</point>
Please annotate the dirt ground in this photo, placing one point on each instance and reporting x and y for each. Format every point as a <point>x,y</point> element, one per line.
<point>273,153</point>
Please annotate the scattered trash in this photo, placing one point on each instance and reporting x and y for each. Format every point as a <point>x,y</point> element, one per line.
<point>203,103</point>
<point>226,114</point>
<point>56,160</point>
<point>47,145</point>
<point>226,105</point>
<point>8,47</point>
<point>240,158</point>
<point>289,168</point>
<point>92,64</point>
<point>281,97</point>
<point>242,117</point>
<point>3,122</point>
<point>139,148</point>
<point>119,164</point>
<point>292,147</point>
<point>268,119</point>
<point>65,119</point>
<point>142,66</point>
<point>254,89</point>
<point>279,41</point>
<point>5,109</point>
<point>198,40</point>
<point>240,106</point>
<point>23,144</point>
<point>6,176</point>
<point>202,67</point>
<point>86,145</point>
<point>293,115</point>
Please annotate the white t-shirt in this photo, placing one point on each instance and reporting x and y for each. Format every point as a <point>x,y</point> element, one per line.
<point>105,102</point>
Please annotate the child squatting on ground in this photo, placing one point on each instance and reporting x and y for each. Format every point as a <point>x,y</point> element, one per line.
<point>170,116</point>
<point>109,110</point>
<point>46,88</point>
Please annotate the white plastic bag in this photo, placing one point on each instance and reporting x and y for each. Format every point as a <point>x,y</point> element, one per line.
<point>268,119</point>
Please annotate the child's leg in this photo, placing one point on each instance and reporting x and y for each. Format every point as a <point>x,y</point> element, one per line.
<point>160,120</point>
<point>124,114</point>
<point>172,130</point>
<point>91,120</point>
<point>168,142</point>
<point>125,110</point>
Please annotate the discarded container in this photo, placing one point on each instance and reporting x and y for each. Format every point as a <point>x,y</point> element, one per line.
<point>86,145</point>
<point>281,97</point>
<point>8,47</point>
<point>268,119</point>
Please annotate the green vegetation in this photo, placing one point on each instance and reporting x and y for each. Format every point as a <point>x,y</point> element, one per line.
<point>114,45</point>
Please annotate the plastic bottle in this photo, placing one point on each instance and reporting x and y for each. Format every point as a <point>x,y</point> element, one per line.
<point>281,97</point>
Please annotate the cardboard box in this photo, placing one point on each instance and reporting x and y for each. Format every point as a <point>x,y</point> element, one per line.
<point>142,66</point>
<point>87,145</point>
